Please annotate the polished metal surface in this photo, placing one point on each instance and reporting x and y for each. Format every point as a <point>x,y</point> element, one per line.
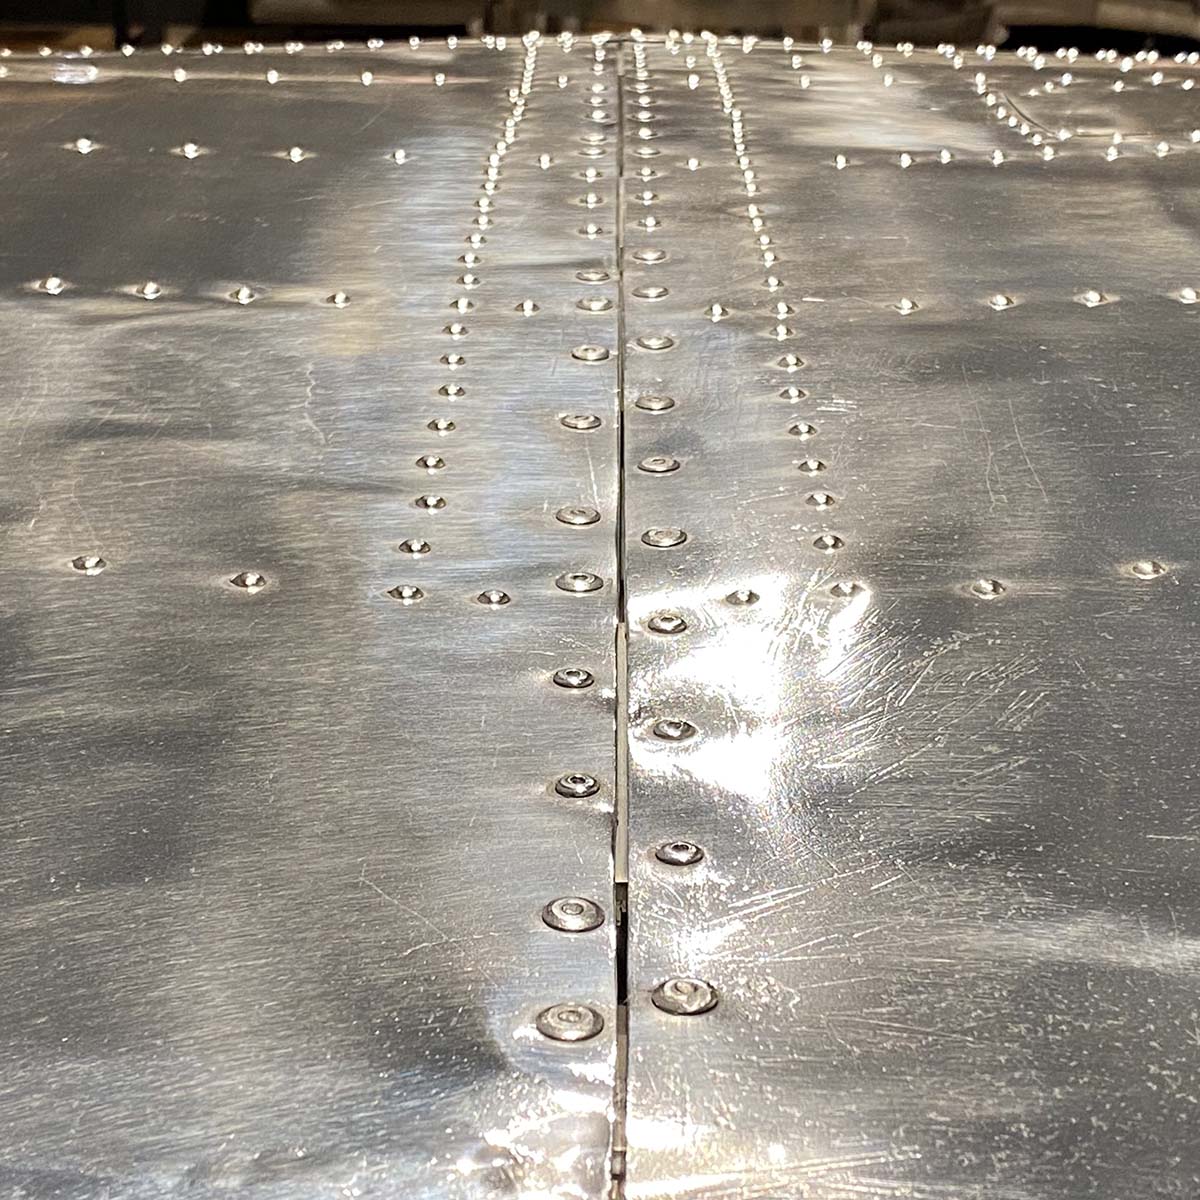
<point>280,769</point>
<point>934,625</point>
<point>435,475</point>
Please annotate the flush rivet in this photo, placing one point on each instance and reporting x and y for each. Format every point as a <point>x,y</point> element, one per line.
<point>988,589</point>
<point>414,546</point>
<point>802,429</point>
<point>672,729</point>
<point>441,425</point>
<point>828,542</point>
<point>406,593</point>
<point>679,854</point>
<point>89,564</point>
<point>1147,568</point>
<point>742,596</point>
<point>250,581</point>
<point>430,502</point>
<point>493,598</point>
<point>573,914</point>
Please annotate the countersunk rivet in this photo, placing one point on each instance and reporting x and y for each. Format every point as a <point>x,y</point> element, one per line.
<point>716,312</point>
<point>592,276</point>
<point>414,546</point>
<point>988,589</point>
<point>844,588</point>
<point>666,622</point>
<point>904,306</point>
<point>742,596</point>
<point>577,514</point>
<point>659,464</point>
<point>590,354</point>
<point>296,154</point>
<point>189,150</point>
<point>456,329</point>
<point>89,564</point>
<point>581,421</point>
<point>1147,568</point>
<point>243,295</point>
<point>579,581</point>
<point>810,466</point>
<point>463,304</point>
<point>527,308</point>
<point>656,341</point>
<point>250,581</point>
<point>1092,298</point>
<point>452,389</point>
<point>791,362</point>
<point>820,499</point>
<point>452,360</point>
<point>431,462</point>
<point>52,285</point>
<point>828,542</point>
<point>338,299</point>
<point>1000,302</point>
<point>595,304</point>
<point>651,293</point>
<point>682,997</point>
<point>655,403</point>
<point>406,593</point>
<point>672,729</point>
<point>442,425</point>
<point>149,290</point>
<point>802,429</point>
<point>576,786</point>
<point>430,502</point>
<point>573,914</point>
<point>793,393</point>
<point>493,598</point>
<point>661,539</point>
<point>569,1022</point>
<point>679,854</point>
<point>82,145</point>
<point>574,678</point>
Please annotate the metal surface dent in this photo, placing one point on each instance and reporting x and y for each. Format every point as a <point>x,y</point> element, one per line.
<point>455,491</point>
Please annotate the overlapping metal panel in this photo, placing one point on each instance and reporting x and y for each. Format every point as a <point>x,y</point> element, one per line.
<point>382,424</point>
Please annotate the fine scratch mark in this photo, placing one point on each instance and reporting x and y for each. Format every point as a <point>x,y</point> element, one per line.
<point>308,399</point>
<point>1012,412</point>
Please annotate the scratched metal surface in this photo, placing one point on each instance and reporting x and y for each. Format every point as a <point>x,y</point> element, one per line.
<point>275,859</point>
<point>943,771</point>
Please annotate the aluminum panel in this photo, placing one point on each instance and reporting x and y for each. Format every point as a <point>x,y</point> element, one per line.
<point>280,762</point>
<point>920,682</point>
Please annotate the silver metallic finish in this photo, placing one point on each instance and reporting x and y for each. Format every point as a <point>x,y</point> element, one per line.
<point>278,854</point>
<point>573,914</point>
<point>683,997</point>
<point>573,678</point>
<point>679,854</point>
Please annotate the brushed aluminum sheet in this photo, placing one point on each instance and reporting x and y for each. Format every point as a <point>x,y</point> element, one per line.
<point>948,901</point>
<point>275,860</point>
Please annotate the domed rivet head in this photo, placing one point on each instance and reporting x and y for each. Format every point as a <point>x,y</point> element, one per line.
<point>828,542</point>
<point>791,362</point>
<point>904,306</point>
<point>742,597</point>
<point>89,564</point>
<point>672,729</point>
<point>650,256</point>
<point>573,678</point>
<point>149,290</point>
<point>1000,302</point>
<point>456,329</point>
<point>793,393</point>
<point>843,589</point>
<point>820,499</point>
<point>1092,298</point>
<point>716,312</point>
<point>527,308</point>
<point>249,581</point>
<point>594,304</point>
<point>666,622</point>
<point>414,546</point>
<point>810,466</point>
<point>82,145</point>
<point>579,581</point>
<point>577,514</point>
<point>52,285</point>
<point>338,299</point>
<point>452,360</point>
<point>682,997</point>
<point>592,276</point>
<point>430,502</point>
<point>493,598</point>
<point>651,293</point>
<point>679,854</point>
<point>802,429</point>
<point>659,464</point>
<point>431,462</point>
<point>654,403</point>
<point>573,914</point>
<point>399,156</point>
<point>656,341</point>
<point>463,305</point>
<point>1147,568</point>
<point>406,593</point>
<point>569,1022</point>
<point>576,786</point>
<point>590,354</point>
<point>295,155</point>
<point>580,421</point>
<point>442,425</point>
<point>1187,295</point>
<point>987,589</point>
<point>452,389</point>
<point>662,539</point>
<point>243,295</point>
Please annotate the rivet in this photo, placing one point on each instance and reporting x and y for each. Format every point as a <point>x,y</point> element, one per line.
<point>250,581</point>
<point>793,393</point>
<point>594,304</point>
<point>673,729</point>
<point>430,501</point>
<point>820,499</point>
<point>149,290</point>
<point>577,514</point>
<point>666,622</point>
<point>414,546</point>
<point>296,154</point>
<point>662,539</point>
<point>463,305</point>
<point>810,466</point>
<point>742,597</point>
<point>243,295</point>
<point>590,354</point>
<point>576,786</point>
<point>844,588</point>
<point>89,564</point>
<point>456,329</point>
<point>189,150</point>
<point>828,542</point>
<point>802,429</point>
<point>527,308</point>
<point>399,156</point>
<point>493,598</point>
<point>904,306</point>
<point>679,854</point>
<point>658,464</point>
<point>82,145</point>
<point>573,678</point>
<point>441,425</point>
<point>580,421</point>
<point>656,341</point>
<point>650,256</point>
<point>1147,568</point>
<point>52,285</point>
<point>655,403</point>
<point>569,1022</point>
<point>988,589</point>
<point>431,462</point>
<point>1000,302</point>
<point>651,293</point>
<point>406,593</point>
<point>791,362</point>
<point>1187,295</point>
<point>592,276</point>
<point>1092,298</point>
<point>338,299</point>
<point>452,360</point>
<point>579,581</point>
<point>573,914</point>
<point>683,997</point>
